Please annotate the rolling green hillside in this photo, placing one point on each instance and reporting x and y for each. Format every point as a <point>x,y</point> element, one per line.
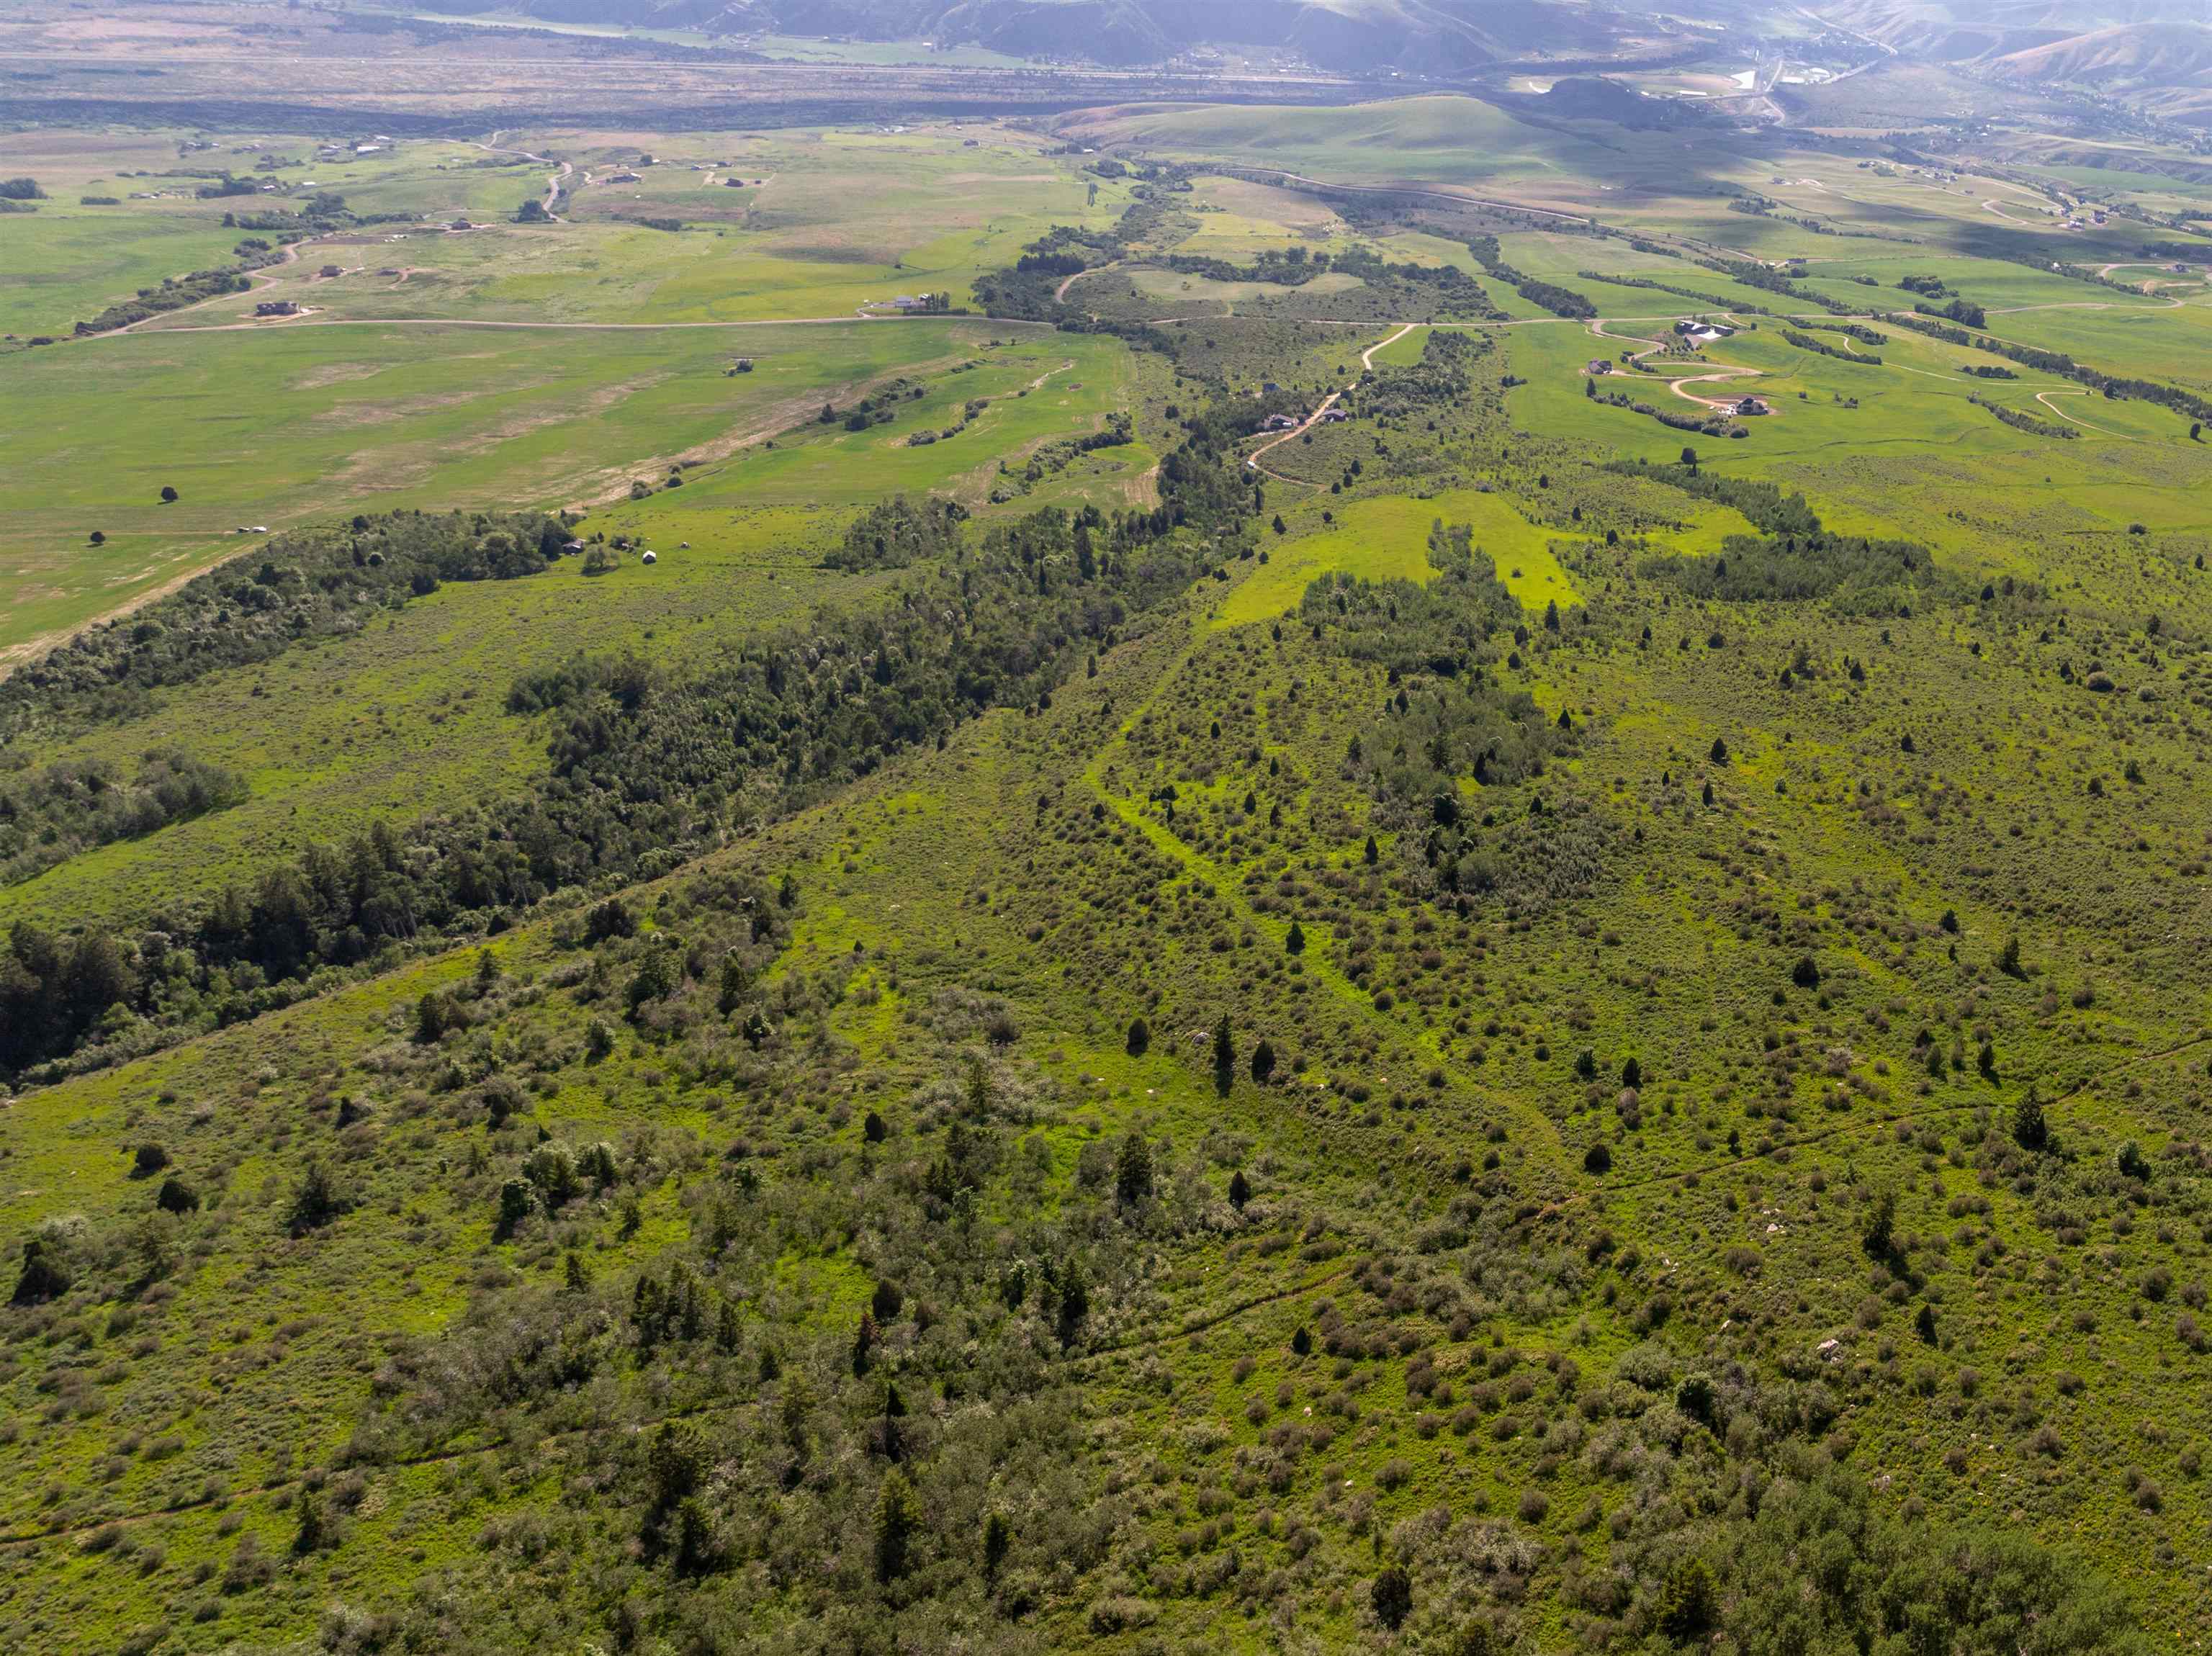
<point>1329,939</point>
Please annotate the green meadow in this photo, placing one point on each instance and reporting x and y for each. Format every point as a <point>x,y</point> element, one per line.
<point>272,428</point>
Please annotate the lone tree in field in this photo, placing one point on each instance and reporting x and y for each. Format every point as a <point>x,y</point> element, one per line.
<point>2029,1130</point>
<point>1133,1172</point>
<point>42,1277</point>
<point>1263,1062</point>
<point>1392,1596</point>
<point>315,1202</point>
<point>168,495</point>
<point>1879,1237</point>
<point>1224,1056</point>
<point>1140,1038</point>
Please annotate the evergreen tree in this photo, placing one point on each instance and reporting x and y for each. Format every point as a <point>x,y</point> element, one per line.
<point>1391,1594</point>
<point>1132,1171</point>
<point>898,1516</point>
<point>998,1540</point>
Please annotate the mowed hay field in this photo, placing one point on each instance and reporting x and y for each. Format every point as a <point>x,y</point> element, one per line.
<point>744,226</point>
<point>274,427</point>
<point>256,422</point>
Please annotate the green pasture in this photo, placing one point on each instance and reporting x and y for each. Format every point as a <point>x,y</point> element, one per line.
<point>66,263</point>
<point>1435,139</point>
<point>844,220</point>
<point>275,426</point>
<point>1036,388</point>
<point>1914,457</point>
<point>408,718</point>
<point>1387,538</point>
<point>1237,218</point>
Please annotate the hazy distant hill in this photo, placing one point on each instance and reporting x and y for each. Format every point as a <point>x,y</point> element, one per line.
<point>2158,51</point>
<point>2130,58</point>
<point>1428,37</point>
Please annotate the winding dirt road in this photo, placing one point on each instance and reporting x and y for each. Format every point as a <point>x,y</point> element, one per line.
<point>1674,384</point>
<point>1366,366</point>
<point>552,184</point>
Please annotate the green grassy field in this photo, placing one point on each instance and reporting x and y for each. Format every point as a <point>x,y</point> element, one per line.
<point>273,427</point>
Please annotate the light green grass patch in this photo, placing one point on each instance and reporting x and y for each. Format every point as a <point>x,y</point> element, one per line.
<point>1388,539</point>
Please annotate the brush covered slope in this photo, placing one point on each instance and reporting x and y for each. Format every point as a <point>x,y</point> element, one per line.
<point>1107,1010</point>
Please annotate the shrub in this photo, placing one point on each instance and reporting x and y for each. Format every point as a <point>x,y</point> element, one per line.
<point>1391,1596</point>
<point>316,1201</point>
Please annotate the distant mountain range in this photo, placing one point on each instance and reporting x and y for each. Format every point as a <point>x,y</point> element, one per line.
<point>2156,51</point>
<point>1353,37</point>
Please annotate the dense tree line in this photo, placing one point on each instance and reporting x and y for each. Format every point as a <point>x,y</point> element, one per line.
<point>1805,341</point>
<point>899,533</point>
<point>1027,289</point>
<point>1560,301</point>
<point>1448,729</point>
<point>1856,574</point>
<point>1751,274</point>
<point>1955,309</point>
<point>49,816</point>
<point>1713,423</point>
<point>647,770</point>
<point>1794,557</point>
<point>1282,268</point>
<point>2027,423</point>
<point>1448,290</point>
<point>1442,378</point>
<point>2057,363</point>
<point>173,294</point>
<point>1762,502</point>
<point>1733,306</point>
<point>319,583</point>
